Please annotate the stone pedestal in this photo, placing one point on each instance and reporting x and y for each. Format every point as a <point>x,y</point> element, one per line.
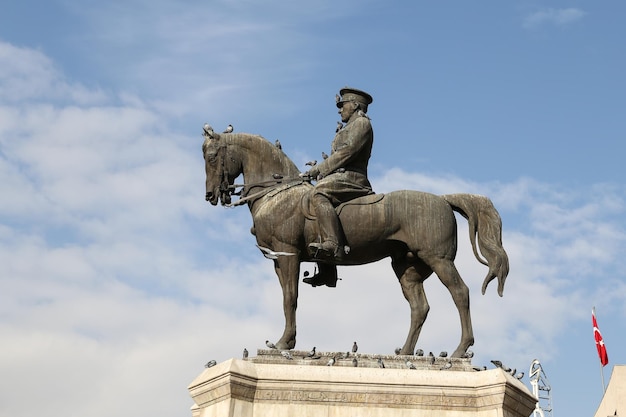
<point>274,387</point>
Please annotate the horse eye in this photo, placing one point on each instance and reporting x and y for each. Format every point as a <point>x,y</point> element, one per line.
<point>211,157</point>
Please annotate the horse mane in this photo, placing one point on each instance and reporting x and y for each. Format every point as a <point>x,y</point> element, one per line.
<point>261,146</point>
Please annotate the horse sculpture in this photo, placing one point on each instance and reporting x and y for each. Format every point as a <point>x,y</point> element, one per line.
<point>417,230</point>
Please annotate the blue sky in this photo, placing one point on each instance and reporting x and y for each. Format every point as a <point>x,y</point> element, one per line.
<point>118,281</point>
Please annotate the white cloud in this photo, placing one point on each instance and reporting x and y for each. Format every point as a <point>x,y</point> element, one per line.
<point>29,74</point>
<point>559,17</point>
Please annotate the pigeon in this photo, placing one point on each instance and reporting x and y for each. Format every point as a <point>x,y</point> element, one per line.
<point>311,163</point>
<point>229,129</point>
<point>339,127</point>
<point>479,368</point>
<point>345,355</point>
<point>270,344</point>
<point>498,364</point>
<point>419,352</point>
<point>448,365</point>
<point>362,114</point>
<point>207,129</point>
<point>311,353</point>
<point>331,361</point>
<point>210,363</point>
<point>519,375</point>
<point>381,364</point>
<point>355,347</point>
<point>513,371</point>
<point>286,355</point>
<point>324,155</point>
<point>469,354</point>
<point>410,365</point>
<point>355,363</point>
<point>431,358</point>
<point>443,354</point>
<point>397,351</point>
<point>277,144</point>
<point>245,353</point>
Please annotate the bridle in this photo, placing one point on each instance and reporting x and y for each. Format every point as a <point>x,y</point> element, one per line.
<point>227,190</point>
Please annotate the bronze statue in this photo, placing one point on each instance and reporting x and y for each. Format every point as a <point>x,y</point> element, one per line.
<point>417,230</point>
<point>341,177</point>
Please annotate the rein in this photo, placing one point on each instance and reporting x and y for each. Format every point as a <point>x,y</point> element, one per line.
<point>269,191</point>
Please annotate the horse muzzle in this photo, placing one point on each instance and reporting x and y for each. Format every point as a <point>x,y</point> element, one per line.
<point>211,197</point>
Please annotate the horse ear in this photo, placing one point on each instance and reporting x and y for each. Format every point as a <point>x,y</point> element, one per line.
<point>208,136</point>
<point>208,132</point>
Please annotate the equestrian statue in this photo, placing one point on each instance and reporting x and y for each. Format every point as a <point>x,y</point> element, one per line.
<point>330,215</point>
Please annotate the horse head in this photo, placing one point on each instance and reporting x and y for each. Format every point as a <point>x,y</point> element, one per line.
<point>221,166</point>
<point>228,155</point>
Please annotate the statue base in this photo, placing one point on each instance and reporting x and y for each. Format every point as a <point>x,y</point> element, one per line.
<point>271,385</point>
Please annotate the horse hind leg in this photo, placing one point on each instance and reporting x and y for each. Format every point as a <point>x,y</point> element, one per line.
<point>411,277</point>
<point>450,277</point>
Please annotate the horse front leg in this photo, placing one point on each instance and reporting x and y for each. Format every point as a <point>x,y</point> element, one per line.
<point>288,270</point>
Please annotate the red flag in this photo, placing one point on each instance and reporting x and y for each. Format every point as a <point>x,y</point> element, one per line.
<point>604,358</point>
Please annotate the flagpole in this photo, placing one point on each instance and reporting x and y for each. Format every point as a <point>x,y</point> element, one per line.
<point>601,366</point>
<point>602,373</point>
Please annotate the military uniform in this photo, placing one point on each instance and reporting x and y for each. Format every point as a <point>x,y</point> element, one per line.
<point>343,175</point>
<point>344,172</point>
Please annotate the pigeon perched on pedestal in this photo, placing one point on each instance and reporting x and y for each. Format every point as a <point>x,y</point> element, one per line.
<point>229,129</point>
<point>498,364</point>
<point>270,344</point>
<point>311,353</point>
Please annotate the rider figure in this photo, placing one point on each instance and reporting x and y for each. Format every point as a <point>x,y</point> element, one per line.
<point>341,177</point>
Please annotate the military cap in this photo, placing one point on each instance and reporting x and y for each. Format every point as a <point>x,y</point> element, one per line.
<point>352,94</point>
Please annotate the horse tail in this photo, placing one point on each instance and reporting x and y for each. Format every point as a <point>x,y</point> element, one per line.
<point>485,225</point>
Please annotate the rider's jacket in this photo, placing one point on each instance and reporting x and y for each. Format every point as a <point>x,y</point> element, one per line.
<point>344,172</point>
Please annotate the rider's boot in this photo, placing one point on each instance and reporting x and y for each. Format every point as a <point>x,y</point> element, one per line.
<point>328,222</point>
<point>327,275</point>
